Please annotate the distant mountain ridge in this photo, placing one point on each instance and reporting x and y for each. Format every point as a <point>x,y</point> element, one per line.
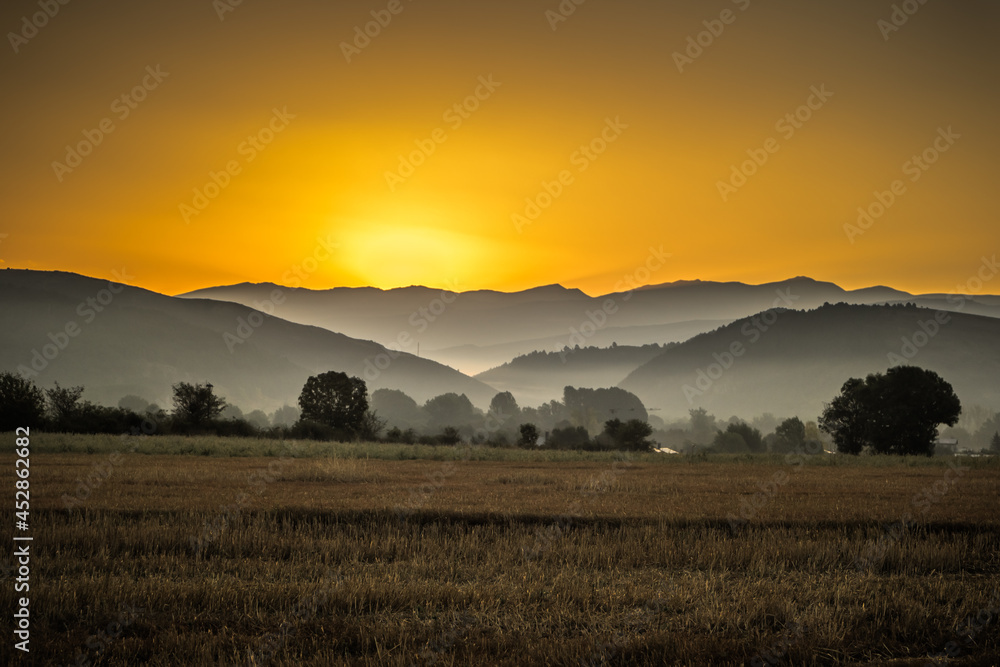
<point>478,330</point>
<point>117,340</point>
<point>127,340</point>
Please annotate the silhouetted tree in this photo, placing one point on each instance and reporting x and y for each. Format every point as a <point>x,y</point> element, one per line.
<point>750,435</point>
<point>729,442</point>
<point>630,436</point>
<point>790,436</point>
<point>397,407</point>
<point>846,418</point>
<point>529,435</point>
<point>591,408</point>
<point>893,413</point>
<point>335,400</point>
<point>64,407</point>
<point>371,426</point>
<point>813,433</point>
<point>136,404</point>
<point>286,415</point>
<point>504,406</point>
<point>395,434</point>
<point>702,425</point>
<point>995,443</point>
<point>231,412</point>
<point>259,419</point>
<point>196,404</point>
<point>449,436</point>
<point>569,437</point>
<point>450,410</point>
<point>765,423</point>
<point>21,402</point>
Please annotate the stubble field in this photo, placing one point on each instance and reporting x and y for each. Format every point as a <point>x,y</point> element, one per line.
<point>285,554</point>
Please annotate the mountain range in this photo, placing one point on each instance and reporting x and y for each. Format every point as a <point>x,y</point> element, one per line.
<point>117,340</point>
<point>478,330</point>
<point>789,362</point>
<point>728,347</point>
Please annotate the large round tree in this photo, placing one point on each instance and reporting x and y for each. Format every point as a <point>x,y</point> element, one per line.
<point>335,399</point>
<point>893,413</point>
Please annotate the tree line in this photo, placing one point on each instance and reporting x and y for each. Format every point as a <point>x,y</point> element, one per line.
<point>898,412</point>
<point>335,406</point>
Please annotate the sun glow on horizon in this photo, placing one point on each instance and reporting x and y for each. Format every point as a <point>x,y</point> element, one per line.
<point>607,150</point>
<point>391,255</point>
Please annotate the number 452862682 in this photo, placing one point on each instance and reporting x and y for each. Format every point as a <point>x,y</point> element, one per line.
<point>22,465</point>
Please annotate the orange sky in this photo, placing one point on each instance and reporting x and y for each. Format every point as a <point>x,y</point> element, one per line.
<point>310,196</point>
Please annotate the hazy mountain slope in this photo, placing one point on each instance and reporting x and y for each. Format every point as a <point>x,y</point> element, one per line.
<point>472,356</point>
<point>437,319</point>
<point>477,330</point>
<point>540,377</point>
<point>800,361</point>
<point>141,342</point>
